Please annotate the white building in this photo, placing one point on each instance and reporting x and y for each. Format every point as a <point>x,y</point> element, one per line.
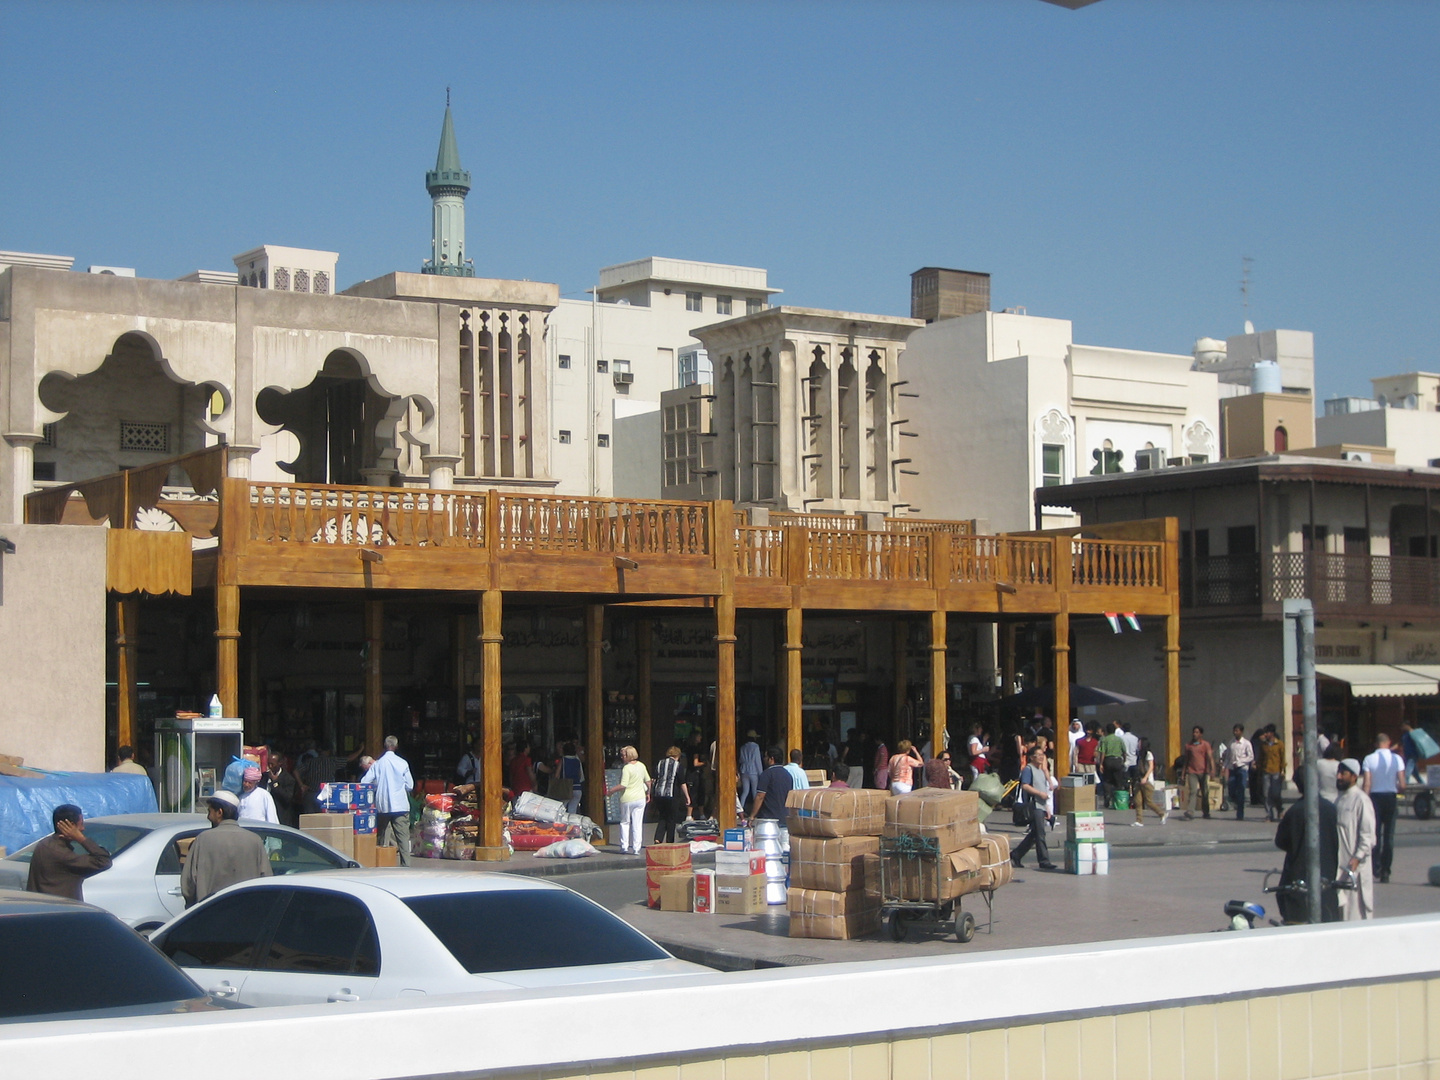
<point>613,356</point>
<point>1404,415</point>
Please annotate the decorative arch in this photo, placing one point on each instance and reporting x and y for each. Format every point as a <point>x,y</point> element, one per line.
<point>1200,441</point>
<point>1054,428</point>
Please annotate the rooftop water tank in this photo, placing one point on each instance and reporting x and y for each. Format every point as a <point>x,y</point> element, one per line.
<point>1265,378</point>
<point>1208,352</point>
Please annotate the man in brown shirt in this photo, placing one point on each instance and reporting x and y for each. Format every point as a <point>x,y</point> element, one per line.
<point>1199,764</point>
<point>56,868</point>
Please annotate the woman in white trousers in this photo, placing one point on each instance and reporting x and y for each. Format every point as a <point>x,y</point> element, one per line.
<point>635,784</point>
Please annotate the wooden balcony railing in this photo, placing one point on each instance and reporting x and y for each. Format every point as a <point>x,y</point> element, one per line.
<point>868,556</point>
<point>1355,583</point>
<point>1029,562</point>
<point>1118,564</point>
<point>760,552</point>
<point>365,516</point>
<point>603,526</point>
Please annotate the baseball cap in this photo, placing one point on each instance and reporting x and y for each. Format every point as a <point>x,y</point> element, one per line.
<point>229,798</point>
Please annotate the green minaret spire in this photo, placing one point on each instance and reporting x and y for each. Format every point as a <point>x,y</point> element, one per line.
<point>448,184</point>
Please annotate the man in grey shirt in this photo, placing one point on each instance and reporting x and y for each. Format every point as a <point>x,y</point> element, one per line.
<point>223,855</point>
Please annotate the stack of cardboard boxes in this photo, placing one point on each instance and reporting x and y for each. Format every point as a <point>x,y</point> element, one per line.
<point>735,887</point>
<point>832,830</point>
<point>664,861</point>
<point>1075,793</point>
<point>1086,851</point>
<point>348,823</point>
<point>967,860</point>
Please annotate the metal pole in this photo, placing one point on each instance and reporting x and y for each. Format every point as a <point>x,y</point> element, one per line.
<point>1305,626</point>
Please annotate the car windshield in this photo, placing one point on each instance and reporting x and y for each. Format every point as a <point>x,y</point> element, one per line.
<point>79,960</point>
<point>112,836</point>
<point>526,929</point>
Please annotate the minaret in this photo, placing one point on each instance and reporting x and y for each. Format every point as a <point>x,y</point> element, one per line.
<point>448,185</point>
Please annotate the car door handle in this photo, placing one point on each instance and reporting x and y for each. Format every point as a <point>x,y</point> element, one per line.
<point>174,892</point>
<point>222,991</point>
<point>343,997</point>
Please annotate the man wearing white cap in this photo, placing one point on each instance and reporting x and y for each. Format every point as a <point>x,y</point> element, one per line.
<point>256,804</point>
<point>1355,828</point>
<point>223,855</point>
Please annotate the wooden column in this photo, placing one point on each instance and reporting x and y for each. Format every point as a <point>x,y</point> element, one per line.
<point>491,847</point>
<point>127,656</point>
<point>938,704</point>
<point>594,713</point>
<point>227,648</point>
<point>794,702</point>
<point>725,707</point>
<point>374,677</point>
<point>1064,565</point>
<point>644,709</point>
<point>1172,640</point>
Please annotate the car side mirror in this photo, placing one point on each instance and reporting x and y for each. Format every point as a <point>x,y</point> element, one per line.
<point>353,865</point>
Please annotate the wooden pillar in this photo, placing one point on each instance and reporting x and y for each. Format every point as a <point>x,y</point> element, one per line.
<point>491,847</point>
<point>938,703</point>
<point>1062,693</point>
<point>725,707</point>
<point>127,656</point>
<point>644,709</point>
<point>1172,641</point>
<point>374,677</point>
<point>227,648</point>
<point>900,642</point>
<point>794,702</point>
<point>594,713</point>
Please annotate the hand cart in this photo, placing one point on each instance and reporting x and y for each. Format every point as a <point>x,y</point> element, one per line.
<point>909,870</point>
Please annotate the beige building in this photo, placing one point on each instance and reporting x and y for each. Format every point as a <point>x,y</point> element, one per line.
<point>1403,416</point>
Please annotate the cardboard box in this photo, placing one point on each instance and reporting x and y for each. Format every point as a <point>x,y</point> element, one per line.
<point>832,864</point>
<point>387,856</point>
<point>1087,858</point>
<point>871,871</point>
<point>309,822</point>
<point>995,866</point>
<point>342,798</point>
<point>364,848</point>
<point>737,840</point>
<point>832,812</point>
<point>837,927</point>
<point>739,863</point>
<point>955,874</point>
<point>1085,826</point>
<point>826,902</point>
<point>364,821</point>
<point>704,892</point>
<point>342,840</point>
<point>951,836</point>
<point>933,806</point>
<point>1079,780</point>
<point>661,861</point>
<point>1070,799</point>
<point>677,892</point>
<point>739,895</point>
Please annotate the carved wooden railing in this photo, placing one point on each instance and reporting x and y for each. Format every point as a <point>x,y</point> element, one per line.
<point>1028,562</point>
<point>909,525</point>
<point>760,552</point>
<point>819,522</point>
<point>365,516</point>
<point>975,559</point>
<point>868,556</point>
<point>1117,564</point>
<point>603,526</point>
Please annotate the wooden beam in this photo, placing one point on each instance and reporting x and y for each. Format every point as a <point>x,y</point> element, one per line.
<point>1172,640</point>
<point>374,677</point>
<point>794,701</point>
<point>594,713</point>
<point>127,656</point>
<point>1064,566</point>
<point>491,847</point>
<point>644,708</point>
<point>725,708</point>
<point>227,648</point>
<point>938,704</point>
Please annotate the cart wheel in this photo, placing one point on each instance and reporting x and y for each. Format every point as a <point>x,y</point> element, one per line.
<point>964,927</point>
<point>896,919</point>
<point>1424,806</point>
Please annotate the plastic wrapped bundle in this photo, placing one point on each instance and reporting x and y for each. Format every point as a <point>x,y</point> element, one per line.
<point>565,849</point>
<point>534,807</point>
<point>428,839</point>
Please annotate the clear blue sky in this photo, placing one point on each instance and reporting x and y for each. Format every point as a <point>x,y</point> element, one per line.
<point>1110,165</point>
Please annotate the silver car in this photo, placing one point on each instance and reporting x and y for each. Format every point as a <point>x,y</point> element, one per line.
<point>142,886</point>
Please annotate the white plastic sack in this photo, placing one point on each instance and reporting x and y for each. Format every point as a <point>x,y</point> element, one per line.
<point>700,847</point>
<point>534,807</point>
<point>566,849</point>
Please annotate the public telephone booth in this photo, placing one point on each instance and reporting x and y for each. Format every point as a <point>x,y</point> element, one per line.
<point>191,756</point>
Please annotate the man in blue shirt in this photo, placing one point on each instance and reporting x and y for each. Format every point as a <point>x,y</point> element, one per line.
<point>796,769</point>
<point>772,790</point>
<point>393,783</point>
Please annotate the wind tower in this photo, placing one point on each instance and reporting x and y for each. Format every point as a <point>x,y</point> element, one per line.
<point>448,184</point>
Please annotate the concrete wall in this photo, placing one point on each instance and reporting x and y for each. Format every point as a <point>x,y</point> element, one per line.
<point>635,449</point>
<point>52,646</point>
<point>1414,434</point>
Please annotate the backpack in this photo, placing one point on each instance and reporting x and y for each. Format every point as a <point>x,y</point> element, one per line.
<point>1020,808</point>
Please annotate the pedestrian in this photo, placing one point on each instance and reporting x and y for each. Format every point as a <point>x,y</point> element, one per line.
<point>1035,791</point>
<point>1383,777</point>
<point>1083,764</point>
<point>938,771</point>
<point>1257,775</point>
<point>669,796</point>
<point>572,769</point>
<point>635,785</point>
<point>1236,759</point>
<point>56,868</point>
<point>1290,838</point>
<point>468,769</point>
<point>902,767</point>
<point>1271,754</point>
<point>772,791</point>
<point>1111,755</point>
<point>223,854</point>
<point>1199,766</point>
<point>796,769</point>
<point>393,783</point>
<point>751,766</point>
<point>839,774</point>
<point>1132,749</point>
<point>256,804</point>
<point>1145,785</point>
<point>1327,767</point>
<point>853,760</point>
<point>978,751</point>
<point>284,790</point>
<point>695,773</point>
<point>1075,734</point>
<point>880,765</point>
<point>1355,828</point>
<point>522,770</point>
<point>128,764</point>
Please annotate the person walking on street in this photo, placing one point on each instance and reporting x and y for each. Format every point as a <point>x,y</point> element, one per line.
<point>573,769</point>
<point>1199,766</point>
<point>56,868</point>
<point>751,767</point>
<point>1237,760</point>
<point>1383,777</point>
<point>256,803</point>
<point>1290,838</point>
<point>1111,754</point>
<point>1145,785</point>
<point>393,783</point>
<point>284,790</point>
<point>670,797</point>
<point>1271,754</point>
<point>1035,790</point>
<point>902,767</point>
<point>796,769</point>
<point>774,789</point>
<point>1355,827</point>
<point>222,855</point>
<point>635,785</point>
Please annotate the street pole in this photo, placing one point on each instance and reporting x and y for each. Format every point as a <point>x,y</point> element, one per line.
<point>1305,627</point>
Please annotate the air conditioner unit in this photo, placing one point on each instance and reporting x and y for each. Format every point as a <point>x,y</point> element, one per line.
<point>1149,458</point>
<point>1355,455</point>
<point>114,271</point>
<point>1179,462</point>
<point>623,378</point>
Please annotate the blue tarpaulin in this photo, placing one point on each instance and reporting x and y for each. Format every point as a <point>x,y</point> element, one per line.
<point>26,802</point>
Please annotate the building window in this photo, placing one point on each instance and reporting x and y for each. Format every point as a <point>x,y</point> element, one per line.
<point>564,360</point>
<point>602,366</point>
<point>754,306</point>
<point>152,438</point>
<point>1282,440</point>
<point>47,435</point>
<point>43,472</point>
<point>722,305</point>
<point>1052,463</point>
<point>693,302</point>
<point>282,279</point>
<point>302,281</point>
<point>564,436</point>
<point>602,440</point>
<point>322,282</point>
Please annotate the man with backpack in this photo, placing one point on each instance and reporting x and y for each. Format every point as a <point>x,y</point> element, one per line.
<point>1035,792</point>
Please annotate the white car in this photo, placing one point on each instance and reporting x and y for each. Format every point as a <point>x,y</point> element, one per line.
<point>142,886</point>
<point>362,935</point>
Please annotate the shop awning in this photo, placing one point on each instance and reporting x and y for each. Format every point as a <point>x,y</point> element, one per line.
<point>1382,680</point>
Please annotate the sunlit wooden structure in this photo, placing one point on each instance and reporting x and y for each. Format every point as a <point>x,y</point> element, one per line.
<point>233,534</point>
